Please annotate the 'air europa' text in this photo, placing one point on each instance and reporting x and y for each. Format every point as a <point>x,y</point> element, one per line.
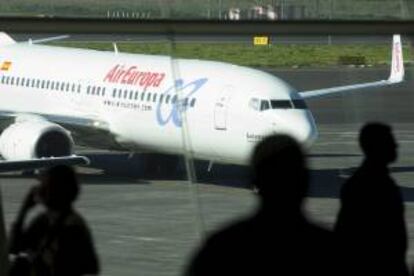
<point>131,75</point>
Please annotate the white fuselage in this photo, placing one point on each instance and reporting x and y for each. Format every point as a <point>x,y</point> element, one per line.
<point>220,109</point>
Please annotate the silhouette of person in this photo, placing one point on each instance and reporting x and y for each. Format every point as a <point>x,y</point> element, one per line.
<point>56,241</point>
<point>370,224</point>
<point>277,238</point>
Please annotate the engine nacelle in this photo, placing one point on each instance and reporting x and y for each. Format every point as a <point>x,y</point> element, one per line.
<point>35,139</point>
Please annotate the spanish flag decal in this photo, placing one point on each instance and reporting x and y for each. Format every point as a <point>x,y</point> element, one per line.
<point>6,66</point>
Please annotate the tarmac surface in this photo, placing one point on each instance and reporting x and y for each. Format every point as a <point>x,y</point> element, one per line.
<point>146,226</point>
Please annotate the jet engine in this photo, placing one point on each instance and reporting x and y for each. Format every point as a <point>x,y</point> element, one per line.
<point>32,139</point>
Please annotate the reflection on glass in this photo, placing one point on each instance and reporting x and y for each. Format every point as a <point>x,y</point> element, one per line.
<point>148,221</point>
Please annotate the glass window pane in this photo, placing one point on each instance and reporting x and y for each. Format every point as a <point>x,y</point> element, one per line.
<point>142,206</point>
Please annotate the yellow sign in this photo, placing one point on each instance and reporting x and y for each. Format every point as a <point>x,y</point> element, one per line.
<point>6,66</point>
<point>261,40</point>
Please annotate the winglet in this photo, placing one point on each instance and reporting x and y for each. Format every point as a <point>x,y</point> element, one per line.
<point>397,62</point>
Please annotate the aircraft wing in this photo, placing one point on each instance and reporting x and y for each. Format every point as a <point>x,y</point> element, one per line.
<point>84,131</point>
<point>87,132</point>
<point>48,39</point>
<point>396,76</point>
<point>8,166</point>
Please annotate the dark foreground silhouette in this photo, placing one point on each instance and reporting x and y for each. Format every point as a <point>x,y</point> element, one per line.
<point>56,242</point>
<point>371,223</point>
<point>278,239</point>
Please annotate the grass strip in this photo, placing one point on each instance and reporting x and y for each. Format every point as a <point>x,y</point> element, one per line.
<point>260,56</point>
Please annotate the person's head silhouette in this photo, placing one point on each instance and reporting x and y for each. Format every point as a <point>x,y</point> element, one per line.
<point>59,188</point>
<point>378,143</point>
<point>279,172</point>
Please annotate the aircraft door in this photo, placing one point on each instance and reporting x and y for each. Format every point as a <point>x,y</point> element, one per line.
<point>221,108</point>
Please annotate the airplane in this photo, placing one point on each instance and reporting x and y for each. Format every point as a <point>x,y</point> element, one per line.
<point>52,98</point>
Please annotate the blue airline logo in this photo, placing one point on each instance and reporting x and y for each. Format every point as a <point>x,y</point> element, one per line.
<point>174,113</point>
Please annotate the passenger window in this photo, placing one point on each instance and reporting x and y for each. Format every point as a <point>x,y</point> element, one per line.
<point>174,99</point>
<point>67,87</point>
<point>88,90</point>
<point>52,85</point>
<point>119,93</point>
<point>148,97</point>
<point>37,83</point>
<point>43,84</point>
<point>22,81</point>
<point>3,79</point>
<point>79,88</point>
<point>12,80</point>
<point>47,84</point>
<point>161,98</point>
<point>33,82</point>
<point>254,103</point>
<point>27,82</point>
<point>114,93</point>
<point>73,87</point>
<point>142,96</point>
<point>131,94</point>
<point>125,94</point>
<point>154,99</point>
<point>103,91</point>
<point>264,105</point>
<point>192,104</point>
<point>62,86</point>
<point>17,81</point>
<point>136,95</point>
<point>185,102</point>
<point>168,99</point>
<point>93,88</point>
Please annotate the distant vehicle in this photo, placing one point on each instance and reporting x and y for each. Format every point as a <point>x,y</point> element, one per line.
<point>53,97</point>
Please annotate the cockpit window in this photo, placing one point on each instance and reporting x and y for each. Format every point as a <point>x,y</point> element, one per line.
<point>299,104</point>
<point>281,104</point>
<point>254,103</point>
<point>264,105</point>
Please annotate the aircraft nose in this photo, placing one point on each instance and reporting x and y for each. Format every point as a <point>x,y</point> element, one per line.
<point>300,125</point>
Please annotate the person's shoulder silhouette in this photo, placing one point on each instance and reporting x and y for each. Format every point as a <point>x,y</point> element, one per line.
<point>58,241</point>
<point>278,238</point>
<point>371,222</point>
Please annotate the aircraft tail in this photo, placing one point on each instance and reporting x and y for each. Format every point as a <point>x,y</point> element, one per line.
<point>397,61</point>
<point>5,39</point>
